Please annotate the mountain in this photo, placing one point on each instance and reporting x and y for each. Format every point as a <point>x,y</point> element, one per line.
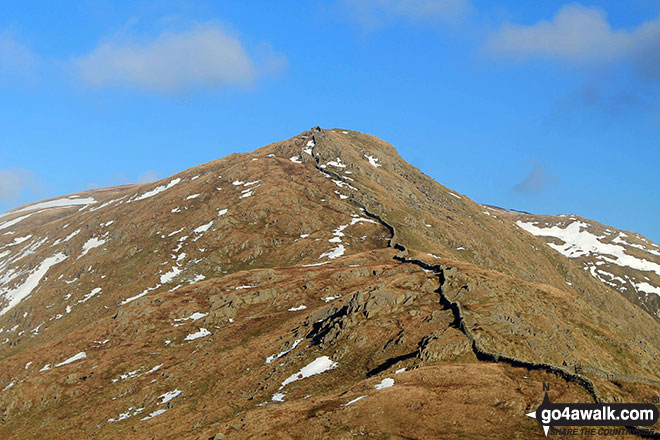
<point>623,260</point>
<point>318,287</point>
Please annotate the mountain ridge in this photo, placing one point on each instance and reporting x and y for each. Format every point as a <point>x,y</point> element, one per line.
<point>319,231</point>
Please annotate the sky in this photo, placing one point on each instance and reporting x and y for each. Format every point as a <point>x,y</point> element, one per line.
<point>548,107</point>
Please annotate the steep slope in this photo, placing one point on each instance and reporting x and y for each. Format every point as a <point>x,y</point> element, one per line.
<point>318,287</point>
<point>623,260</point>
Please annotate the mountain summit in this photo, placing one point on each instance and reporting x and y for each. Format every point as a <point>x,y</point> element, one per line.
<point>318,287</point>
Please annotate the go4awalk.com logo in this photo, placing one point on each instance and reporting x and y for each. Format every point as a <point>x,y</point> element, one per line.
<point>586,417</point>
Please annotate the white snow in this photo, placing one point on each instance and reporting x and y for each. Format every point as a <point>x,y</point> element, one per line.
<point>76,357</point>
<point>354,400</point>
<point>169,276</point>
<point>300,307</point>
<point>10,223</point>
<point>579,242</point>
<point>139,295</point>
<point>68,237</point>
<point>154,414</point>
<point>90,294</point>
<point>21,292</point>
<point>158,189</point>
<point>200,334</point>
<point>373,160</point>
<point>192,196</point>
<point>316,264</point>
<point>222,212</point>
<point>334,253</point>
<point>197,278</point>
<point>619,239</point>
<point>274,357</point>
<point>59,203</point>
<point>90,244</point>
<point>455,195</point>
<point>278,397</point>
<point>385,383</point>
<point>647,288</point>
<point>194,317</point>
<point>295,159</point>
<point>318,366</point>
<point>45,368</point>
<point>203,228</point>
<point>169,396</point>
<point>246,193</point>
<point>130,412</point>
<point>176,232</point>
<point>337,163</point>
<point>19,240</point>
<point>342,185</point>
<point>400,370</point>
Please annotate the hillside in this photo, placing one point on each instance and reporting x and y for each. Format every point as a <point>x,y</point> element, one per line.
<point>318,287</point>
<point>623,260</point>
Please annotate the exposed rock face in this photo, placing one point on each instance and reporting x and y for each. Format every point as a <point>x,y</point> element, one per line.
<point>266,294</point>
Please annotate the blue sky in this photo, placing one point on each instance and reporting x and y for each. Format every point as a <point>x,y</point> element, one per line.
<point>548,107</point>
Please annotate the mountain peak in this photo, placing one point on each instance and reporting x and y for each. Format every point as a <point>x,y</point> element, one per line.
<point>297,279</point>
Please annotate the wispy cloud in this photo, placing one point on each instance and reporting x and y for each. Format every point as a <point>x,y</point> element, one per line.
<point>377,13</point>
<point>14,182</point>
<point>582,36</point>
<point>203,56</point>
<point>537,180</point>
<point>14,56</point>
<point>148,177</point>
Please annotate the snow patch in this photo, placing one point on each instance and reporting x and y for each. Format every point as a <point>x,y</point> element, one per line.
<point>318,366</point>
<point>354,400</point>
<point>579,242</point>
<point>76,357</point>
<point>300,307</point>
<point>169,396</point>
<point>203,228</point>
<point>373,160</point>
<point>274,357</point>
<point>169,276</point>
<point>385,383</point>
<point>90,244</point>
<point>158,190</point>
<point>200,334</point>
<point>21,292</point>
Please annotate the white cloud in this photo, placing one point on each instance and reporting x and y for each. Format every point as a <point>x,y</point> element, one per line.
<point>14,182</point>
<point>374,13</point>
<point>14,56</point>
<point>148,177</point>
<point>203,56</point>
<point>581,35</point>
